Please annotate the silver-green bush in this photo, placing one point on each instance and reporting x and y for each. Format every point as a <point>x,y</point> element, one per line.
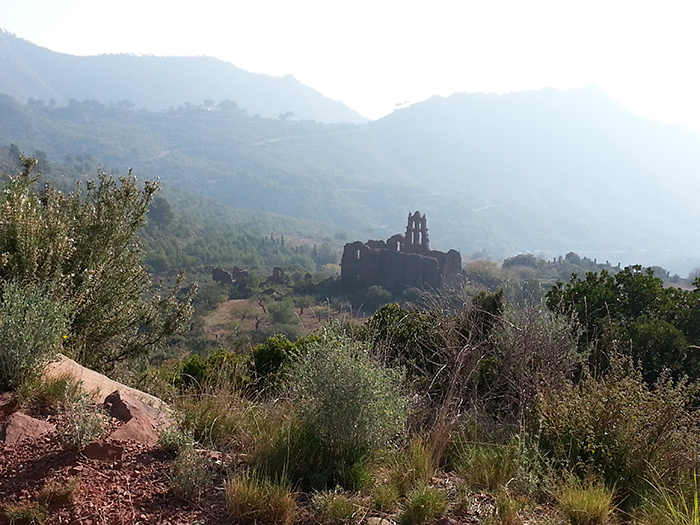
<point>32,326</point>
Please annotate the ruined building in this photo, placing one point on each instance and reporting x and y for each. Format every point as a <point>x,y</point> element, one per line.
<point>401,260</point>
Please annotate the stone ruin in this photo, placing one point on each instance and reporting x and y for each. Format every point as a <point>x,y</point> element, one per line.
<point>401,260</point>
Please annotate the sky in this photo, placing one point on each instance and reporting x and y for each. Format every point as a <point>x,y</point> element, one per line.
<point>377,55</point>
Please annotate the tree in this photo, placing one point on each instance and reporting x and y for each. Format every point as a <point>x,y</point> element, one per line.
<point>632,312</point>
<point>82,248</point>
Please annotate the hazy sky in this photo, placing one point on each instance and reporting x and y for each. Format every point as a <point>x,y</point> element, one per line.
<point>373,55</point>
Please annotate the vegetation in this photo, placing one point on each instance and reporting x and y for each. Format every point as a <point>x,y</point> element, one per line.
<point>571,400</point>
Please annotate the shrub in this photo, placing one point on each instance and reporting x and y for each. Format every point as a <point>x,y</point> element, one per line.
<point>585,504</point>
<point>407,468</point>
<point>58,492</point>
<point>254,499</point>
<point>620,429</point>
<point>175,441</point>
<point>190,475</point>
<point>672,506</point>
<point>51,394</point>
<point>32,326</point>
<point>423,506</point>
<point>82,248</point>
<point>216,419</point>
<point>220,368</point>
<point>81,424</point>
<point>348,404</point>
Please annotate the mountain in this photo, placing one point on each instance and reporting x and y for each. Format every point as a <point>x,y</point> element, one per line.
<point>545,172</point>
<point>156,83</point>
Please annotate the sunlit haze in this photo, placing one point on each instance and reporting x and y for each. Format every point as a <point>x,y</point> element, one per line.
<point>376,55</point>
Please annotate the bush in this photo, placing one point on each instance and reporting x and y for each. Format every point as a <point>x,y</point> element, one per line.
<point>486,466</point>
<point>347,401</point>
<point>81,424</point>
<point>620,429</point>
<point>407,468</point>
<point>82,248</point>
<point>254,499</point>
<point>32,327</point>
<point>190,475</point>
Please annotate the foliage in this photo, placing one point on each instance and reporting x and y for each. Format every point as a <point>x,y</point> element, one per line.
<point>632,312</point>
<point>669,506</point>
<point>32,329</point>
<point>50,393</point>
<point>406,468</point>
<point>175,441</point>
<point>332,507</point>
<point>220,368</point>
<point>586,504</point>
<point>190,475</point>
<point>533,349</point>
<point>347,398</point>
<point>81,424</point>
<point>486,466</point>
<point>251,498</point>
<point>619,428</point>
<point>26,512</point>
<point>347,405</point>
<point>423,506</point>
<point>57,492</point>
<point>81,247</point>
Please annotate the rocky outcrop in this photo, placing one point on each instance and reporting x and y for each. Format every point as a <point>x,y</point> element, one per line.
<point>141,421</point>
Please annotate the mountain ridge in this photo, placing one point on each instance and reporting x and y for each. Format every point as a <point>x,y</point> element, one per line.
<point>157,82</point>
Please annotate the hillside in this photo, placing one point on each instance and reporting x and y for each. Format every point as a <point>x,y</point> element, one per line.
<point>156,83</point>
<point>545,172</point>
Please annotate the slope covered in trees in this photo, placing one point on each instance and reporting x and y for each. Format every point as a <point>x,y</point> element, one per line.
<point>543,172</point>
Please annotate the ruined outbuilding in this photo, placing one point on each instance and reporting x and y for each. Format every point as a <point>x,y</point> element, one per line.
<point>401,260</point>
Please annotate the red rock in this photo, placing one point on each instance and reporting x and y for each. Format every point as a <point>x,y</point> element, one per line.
<point>104,451</point>
<point>21,427</point>
<point>137,429</point>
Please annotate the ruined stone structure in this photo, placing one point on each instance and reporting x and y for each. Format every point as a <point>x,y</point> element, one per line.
<point>401,260</point>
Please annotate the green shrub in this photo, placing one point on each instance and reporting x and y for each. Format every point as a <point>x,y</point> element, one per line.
<point>81,424</point>
<point>408,467</point>
<point>618,428</point>
<point>32,327</point>
<point>679,505</point>
<point>251,498</point>
<point>82,249</point>
<point>190,475</point>
<point>217,419</point>
<point>175,441</point>
<point>220,368</point>
<point>423,506</point>
<point>49,394</point>
<point>348,404</point>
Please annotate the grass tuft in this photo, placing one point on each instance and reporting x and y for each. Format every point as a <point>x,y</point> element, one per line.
<point>586,504</point>
<point>423,506</point>
<point>251,498</point>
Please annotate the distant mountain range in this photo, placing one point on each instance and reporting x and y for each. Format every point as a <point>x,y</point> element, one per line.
<point>155,83</point>
<point>544,172</point>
